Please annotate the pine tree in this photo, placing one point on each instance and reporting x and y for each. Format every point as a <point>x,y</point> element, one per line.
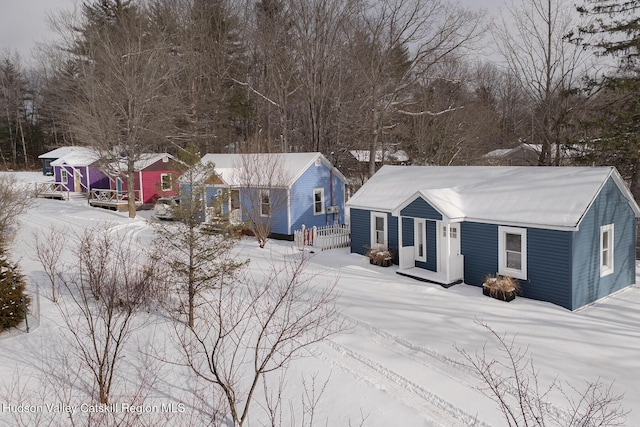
<point>614,30</point>
<point>12,291</point>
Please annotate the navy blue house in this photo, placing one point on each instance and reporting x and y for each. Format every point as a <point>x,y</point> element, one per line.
<point>566,233</point>
<point>50,156</point>
<point>294,189</point>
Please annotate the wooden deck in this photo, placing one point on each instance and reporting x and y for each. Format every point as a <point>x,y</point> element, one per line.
<point>112,199</point>
<point>52,190</point>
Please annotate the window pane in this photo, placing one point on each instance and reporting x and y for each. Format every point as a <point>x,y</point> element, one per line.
<point>318,196</point>
<point>514,242</point>
<point>514,260</point>
<point>605,240</point>
<point>379,223</point>
<point>380,237</point>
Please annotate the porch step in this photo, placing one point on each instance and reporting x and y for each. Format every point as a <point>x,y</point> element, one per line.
<point>427,276</point>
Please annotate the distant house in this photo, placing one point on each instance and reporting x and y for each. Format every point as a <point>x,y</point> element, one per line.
<point>528,155</point>
<point>155,176</point>
<point>566,233</point>
<point>355,164</point>
<point>53,155</point>
<point>79,171</point>
<point>307,189</point>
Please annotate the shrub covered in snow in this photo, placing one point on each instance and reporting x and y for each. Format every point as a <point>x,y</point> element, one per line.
<point>499,285</point>
<point>12,290</point>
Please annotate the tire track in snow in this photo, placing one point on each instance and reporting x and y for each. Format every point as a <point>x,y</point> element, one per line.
<point>444,365</point>
<point>438,411</point>
<point>432,359</point>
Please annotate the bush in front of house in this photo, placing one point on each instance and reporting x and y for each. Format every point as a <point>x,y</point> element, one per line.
<point>501,287</point>
<point>380,255</point>
<point>12,290</point>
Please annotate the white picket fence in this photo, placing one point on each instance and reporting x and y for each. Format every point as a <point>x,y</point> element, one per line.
<point>321,238</point>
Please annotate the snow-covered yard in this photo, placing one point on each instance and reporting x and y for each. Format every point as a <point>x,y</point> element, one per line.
<point>396,364</point>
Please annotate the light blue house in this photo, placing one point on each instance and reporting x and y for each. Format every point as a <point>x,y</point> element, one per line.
<point>293,189</point>
<point>568,234</point>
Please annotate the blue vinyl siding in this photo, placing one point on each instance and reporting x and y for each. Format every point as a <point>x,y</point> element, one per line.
<point>610,207</point>
<point>407,231</point>
<point>249,199</point>
<point>432,248</point>
<point>479,245</point>
<point>548,266</point>
<point>419,208</point>
<point>392,235</point>
<point>548,260</point>
<point>361,232</point>
<point>302,197</point>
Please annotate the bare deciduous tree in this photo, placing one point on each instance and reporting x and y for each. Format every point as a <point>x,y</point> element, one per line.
<point>264,191</point>
<point>14,201</point>
<point>48,247</point>
<point>532,39</point>
<point>105,289</point>
<point>399,43</point>
<point>123,105</point>
<point>254,328</point>
<point>512,382</point>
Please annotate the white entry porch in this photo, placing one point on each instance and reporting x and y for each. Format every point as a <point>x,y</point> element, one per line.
<point>432,257</point>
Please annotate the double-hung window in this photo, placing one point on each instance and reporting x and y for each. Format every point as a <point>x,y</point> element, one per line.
<point>378,229</point>
<point>265,203</point>
<point>165,180</point>
<point>606,249</point>
<point>512,252</point>
<point>318,201</point>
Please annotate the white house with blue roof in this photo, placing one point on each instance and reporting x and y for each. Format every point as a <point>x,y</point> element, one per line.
<point>567,234</point>
<point>296,188</point>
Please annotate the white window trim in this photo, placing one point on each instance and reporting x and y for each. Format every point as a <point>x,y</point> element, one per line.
<point>382,215</point>
<point>162,175</point>
<point>417,221</point>
<point>262,193</point>
<point>502,252</point>
<point>64,176</point>
<point>316,191</point>
<point>605,270</point>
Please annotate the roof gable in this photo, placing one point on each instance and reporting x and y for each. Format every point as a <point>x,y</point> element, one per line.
<point>77,156</point>
<point>56,153</point>
<point>231,168</point>
<point>539,196</point>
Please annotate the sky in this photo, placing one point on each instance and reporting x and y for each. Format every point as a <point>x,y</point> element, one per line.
<point>23,23</point>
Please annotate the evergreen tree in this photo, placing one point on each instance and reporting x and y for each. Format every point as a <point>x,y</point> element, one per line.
<point>12,290</point>
<point>614,30</point>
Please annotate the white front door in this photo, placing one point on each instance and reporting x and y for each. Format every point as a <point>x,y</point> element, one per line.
<point>448,244</point>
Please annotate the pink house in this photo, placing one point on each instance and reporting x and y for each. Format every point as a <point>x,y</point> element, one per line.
<point>155,177</point>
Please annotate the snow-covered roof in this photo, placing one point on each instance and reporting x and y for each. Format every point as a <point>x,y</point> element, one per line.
<point>363,155</point>
<point>542,196</point>
<point>500,152</point>
<point>59,152</point>
<point>144,161</point>
<point>77,156</point>
<point>232,168</point>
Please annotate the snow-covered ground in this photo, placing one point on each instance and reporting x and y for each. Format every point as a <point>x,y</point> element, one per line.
<point>396,364</point>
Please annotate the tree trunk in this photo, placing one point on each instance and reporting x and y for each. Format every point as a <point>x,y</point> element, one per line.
<point>131,189</point>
